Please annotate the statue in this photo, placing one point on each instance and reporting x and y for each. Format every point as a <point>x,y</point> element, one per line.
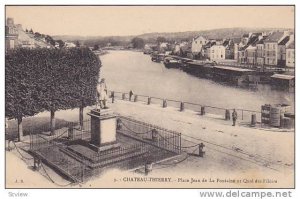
<point>102,94</point>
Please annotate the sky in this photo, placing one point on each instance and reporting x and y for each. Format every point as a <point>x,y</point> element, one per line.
<point>135,20</point>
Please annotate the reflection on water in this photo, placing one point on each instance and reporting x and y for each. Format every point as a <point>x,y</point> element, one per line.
<point>126,70</point>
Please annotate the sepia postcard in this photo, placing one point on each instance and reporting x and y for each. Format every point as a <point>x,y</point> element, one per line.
<point>173,96</point>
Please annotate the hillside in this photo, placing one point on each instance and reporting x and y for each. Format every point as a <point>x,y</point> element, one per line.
<point>172,36</point>
<point>25,37</point>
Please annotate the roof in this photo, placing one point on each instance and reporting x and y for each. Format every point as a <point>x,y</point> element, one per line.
<point>236,40</point>
<point>282,76</point>
<point>199,37</point>
<point>226,42</point>
<point>285,40</point>
<point>261,41</point>
<point>274,37</point>
<point>253,39</point>
<point>234,68</point>
<point>291,45</point>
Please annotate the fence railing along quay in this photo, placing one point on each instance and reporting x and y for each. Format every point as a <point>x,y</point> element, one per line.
<point>245,115</point>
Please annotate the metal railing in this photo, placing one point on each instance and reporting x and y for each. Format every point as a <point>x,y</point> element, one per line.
<point>244,115</point>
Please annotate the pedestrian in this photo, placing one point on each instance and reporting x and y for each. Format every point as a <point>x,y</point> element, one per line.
<point>130,94</point>
<point>102,93</point>
<point>234,117</point>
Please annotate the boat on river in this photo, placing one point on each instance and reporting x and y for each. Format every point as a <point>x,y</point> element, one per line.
<point>155,57</point>
<point>170,62</point>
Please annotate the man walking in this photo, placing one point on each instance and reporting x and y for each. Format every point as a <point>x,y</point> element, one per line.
<point>234,117</point>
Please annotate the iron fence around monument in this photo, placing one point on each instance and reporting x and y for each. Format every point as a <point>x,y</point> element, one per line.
<point>71,131</point>
<point>150,134</point>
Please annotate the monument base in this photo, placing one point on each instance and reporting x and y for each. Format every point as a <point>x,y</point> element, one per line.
<point>103,130</point>
<point>105,147</point>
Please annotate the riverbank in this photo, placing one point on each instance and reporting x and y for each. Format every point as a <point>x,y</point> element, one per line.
<point>239,152</point>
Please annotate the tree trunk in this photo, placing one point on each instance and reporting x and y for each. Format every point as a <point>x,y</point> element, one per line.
<point>20,129</point>
<point>81,116</point>
<point>52,122</point>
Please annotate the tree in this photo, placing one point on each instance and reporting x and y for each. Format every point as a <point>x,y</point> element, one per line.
<point>61,43</point>
<point>50,40</point>
<point>49,79</point>
<point>31,31</point>
<point>77,44</point>
<point>96,47</point>
<point>37,35</point>
<point>138,43</point>
<point>26,30</point>
<point>161,40</point>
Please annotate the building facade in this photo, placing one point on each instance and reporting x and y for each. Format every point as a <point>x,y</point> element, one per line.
<point>197,44</point>
<point>217,52</point>
<point>290,55</point>
<point>271,47</point>
<point>11,34</point>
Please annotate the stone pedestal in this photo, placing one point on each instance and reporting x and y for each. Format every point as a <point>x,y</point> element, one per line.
<point>103,129</point>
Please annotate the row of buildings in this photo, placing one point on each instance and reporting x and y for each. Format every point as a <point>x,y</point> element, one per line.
<point>16,37</point>
<point>274,49</point>
<point>271,49</point>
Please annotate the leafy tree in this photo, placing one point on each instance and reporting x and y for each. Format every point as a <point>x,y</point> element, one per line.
<point>50,40</point>
<point>138,43</point>
<point>49,79</point>
<point>77,44</point>
<point>161,39</point>
<point>61,43</point>
<point>37,35</point>
<point>96,47</point>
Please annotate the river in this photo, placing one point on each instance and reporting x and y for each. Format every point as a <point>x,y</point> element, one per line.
<point>128,70</point>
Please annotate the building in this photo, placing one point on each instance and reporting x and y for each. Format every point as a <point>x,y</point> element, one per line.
<point>207,48</point>
<point>217,52</point>
<point>290,55</point>
<point>163,47</point>
<point>11,34</point>
<point>247,53</point>
<point>197,44</point>
<point>271,47</point>
<point>260,59</point>
<point>229,48</point>
<point>281,62</point>
<point>70,44</point>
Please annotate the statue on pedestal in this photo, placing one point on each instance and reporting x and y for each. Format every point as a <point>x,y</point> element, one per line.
<point>102,94</point>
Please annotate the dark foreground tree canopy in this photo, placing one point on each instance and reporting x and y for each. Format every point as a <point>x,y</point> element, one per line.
<point>49,79</point>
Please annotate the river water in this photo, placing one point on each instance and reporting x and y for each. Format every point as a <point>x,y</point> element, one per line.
<point>128,70</point>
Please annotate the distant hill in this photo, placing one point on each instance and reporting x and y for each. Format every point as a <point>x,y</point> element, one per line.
<point>171,36</point>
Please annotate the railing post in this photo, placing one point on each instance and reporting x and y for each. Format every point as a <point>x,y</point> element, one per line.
<point>164,103</point>
<point>201,152</point>
<point>123,96</point>
<point>253,120</point>
<point>202,110</point>
<point>149,100</point>
<point>227,114</point>
<point>181,106</point>
<point>112,97</point>
<point>135,98</point>
<point>242,114</point>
